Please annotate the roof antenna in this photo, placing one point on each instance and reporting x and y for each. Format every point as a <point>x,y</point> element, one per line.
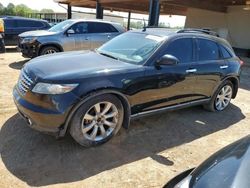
<point>144,25</point>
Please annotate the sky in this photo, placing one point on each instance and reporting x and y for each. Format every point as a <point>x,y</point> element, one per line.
<point>40,4</point>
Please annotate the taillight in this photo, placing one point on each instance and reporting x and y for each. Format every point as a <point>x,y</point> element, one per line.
<point>241,62</point>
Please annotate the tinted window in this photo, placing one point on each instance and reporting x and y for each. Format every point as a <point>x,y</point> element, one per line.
<point>29,23</point>
<point>207,50</point>
<point>102,28</point>
<point>225,53</point>
<point>182,49</point>
<point>9,23</point>
<point>80,28</point>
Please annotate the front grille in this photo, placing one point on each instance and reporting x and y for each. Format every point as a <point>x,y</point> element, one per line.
<point>25,82</point>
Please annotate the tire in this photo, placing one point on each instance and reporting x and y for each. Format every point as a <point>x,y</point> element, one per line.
<point>49,50</point>
<point>92,125</point>
<point>218,96</point>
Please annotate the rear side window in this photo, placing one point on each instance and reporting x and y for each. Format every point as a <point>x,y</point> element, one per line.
<point>182,49</point>
<point>9,23</point>
<point>29,23</point>
<point>207,50</point>
<point>224,52</point>
<point>101,28</point>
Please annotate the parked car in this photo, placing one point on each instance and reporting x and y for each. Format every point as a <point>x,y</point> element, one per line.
<point>15,25</point>
<point>95,93</point>
<point>68,35</point>
<point>2,45</point>
<point>227,168</point>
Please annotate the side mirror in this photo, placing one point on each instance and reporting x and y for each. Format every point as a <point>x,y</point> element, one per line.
<point>167,60</point>
<point>70,32</point>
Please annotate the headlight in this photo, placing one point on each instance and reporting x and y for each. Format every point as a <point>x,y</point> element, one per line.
<point>184,183</point>
<point>45,88</point>
<point>29,39</point>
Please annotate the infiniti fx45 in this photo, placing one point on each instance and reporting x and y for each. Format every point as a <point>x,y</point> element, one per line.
<point>92,94</point>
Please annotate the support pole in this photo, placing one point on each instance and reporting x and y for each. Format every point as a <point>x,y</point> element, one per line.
<point>99,10</point>
<point>154,13</point>
<point>129,19</point>
<point>69,12</point>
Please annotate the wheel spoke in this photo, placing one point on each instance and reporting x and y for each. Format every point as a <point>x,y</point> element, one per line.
<point>106,108</point>
<point>219,105</point>
<point>103,131</point>
<point>223,104</point>
<point>97,108</point>
<point>88,117</point>
<point>94,133</point>
<point>110,124</point>
<point>110,115</point>
<point>88,127</point>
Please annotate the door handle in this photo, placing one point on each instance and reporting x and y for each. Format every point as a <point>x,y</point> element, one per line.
<point>224,66</point>
<point>191,70</point>
<point>87,38</point>
<point>109,36</point>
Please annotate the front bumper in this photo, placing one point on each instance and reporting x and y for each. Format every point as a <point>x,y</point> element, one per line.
<point>29,50</point>
<point>43,119</point>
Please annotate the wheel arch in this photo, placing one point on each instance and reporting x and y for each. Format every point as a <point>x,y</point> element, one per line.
<point>119,95</point>
<point>49,44</point>
<point>235,81</point>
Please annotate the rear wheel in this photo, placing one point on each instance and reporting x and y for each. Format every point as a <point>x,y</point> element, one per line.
<point>97,120</point>
<point>221,98</point>
<point>49,50</point>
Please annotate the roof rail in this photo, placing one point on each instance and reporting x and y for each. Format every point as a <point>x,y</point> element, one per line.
<point>152,27</point>
<point>205,31</point>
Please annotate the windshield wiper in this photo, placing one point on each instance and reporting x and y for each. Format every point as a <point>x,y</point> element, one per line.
<point>108,55</point>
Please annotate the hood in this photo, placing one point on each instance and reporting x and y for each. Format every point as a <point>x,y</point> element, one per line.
<point>74,65</point>
<point>228,167</point>
<point>37,33</point>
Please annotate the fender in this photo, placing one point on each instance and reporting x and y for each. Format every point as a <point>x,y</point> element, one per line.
<point>122,97</point>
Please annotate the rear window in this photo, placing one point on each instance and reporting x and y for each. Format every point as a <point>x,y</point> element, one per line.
<point>224,52</point>
<point>207,50</point>
<point>101,28</point>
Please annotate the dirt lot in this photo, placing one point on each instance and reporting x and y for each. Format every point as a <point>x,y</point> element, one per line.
<point>152,151</point>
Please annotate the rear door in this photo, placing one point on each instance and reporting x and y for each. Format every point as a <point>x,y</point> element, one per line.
<point>101,33</point>
<point>210,67</point>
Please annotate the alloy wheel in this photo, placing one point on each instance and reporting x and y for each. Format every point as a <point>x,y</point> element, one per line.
<point>50,51</point>
<point>100,121</point>
<point>223,98</point>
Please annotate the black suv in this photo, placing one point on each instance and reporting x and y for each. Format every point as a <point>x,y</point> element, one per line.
<point>15,25</point>
<point>94,93</point>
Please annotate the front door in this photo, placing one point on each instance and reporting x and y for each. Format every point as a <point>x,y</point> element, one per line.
<point>79,39</point>
<point>171,84</point>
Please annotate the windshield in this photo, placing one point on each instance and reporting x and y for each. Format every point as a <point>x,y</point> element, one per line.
<point>61,26</point>
<point>131,47</point>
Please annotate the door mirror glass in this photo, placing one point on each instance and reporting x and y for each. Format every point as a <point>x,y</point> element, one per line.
<point>168,60</point>
<point>70,32</point>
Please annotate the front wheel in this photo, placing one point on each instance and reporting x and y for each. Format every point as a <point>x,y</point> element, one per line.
<point>49,50</point>
<point>222,97</point>
<point>97,120</point>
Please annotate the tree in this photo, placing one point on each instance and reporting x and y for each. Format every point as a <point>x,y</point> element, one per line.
<point>22,10</point>
<point>1,9</point>
<point>45,10</point>
<point>9,10</point>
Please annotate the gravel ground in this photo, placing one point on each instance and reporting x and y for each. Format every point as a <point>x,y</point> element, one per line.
<point>152,151</point>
